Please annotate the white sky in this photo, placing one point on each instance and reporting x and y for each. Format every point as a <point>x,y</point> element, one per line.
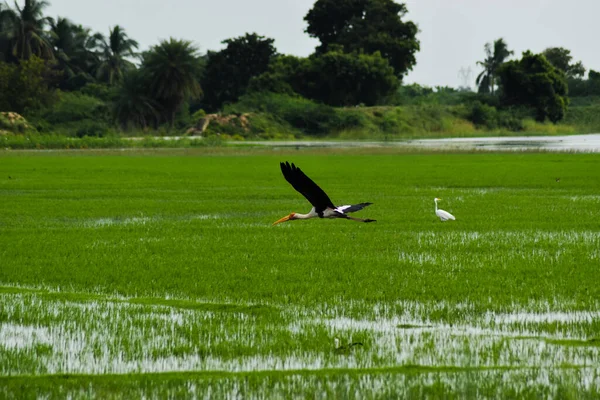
<point>452,32</point>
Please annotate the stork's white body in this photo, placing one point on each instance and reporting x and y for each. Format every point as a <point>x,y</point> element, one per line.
<point>327,213</point>
<point>443,215</point>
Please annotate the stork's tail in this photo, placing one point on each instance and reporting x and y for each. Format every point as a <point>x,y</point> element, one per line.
<point>353,208</point>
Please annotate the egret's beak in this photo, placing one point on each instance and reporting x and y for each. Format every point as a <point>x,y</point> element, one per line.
<point>286,218</point>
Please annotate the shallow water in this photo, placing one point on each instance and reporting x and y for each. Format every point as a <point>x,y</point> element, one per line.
<point>589,143</point>
<point>40,335</point>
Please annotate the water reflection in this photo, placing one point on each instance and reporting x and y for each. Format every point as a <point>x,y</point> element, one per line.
<point>572,143</point>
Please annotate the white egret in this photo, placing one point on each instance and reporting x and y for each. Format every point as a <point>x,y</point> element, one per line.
<point>444,215</point>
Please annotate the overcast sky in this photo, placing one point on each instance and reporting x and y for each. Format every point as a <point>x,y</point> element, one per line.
<point>452,32</point>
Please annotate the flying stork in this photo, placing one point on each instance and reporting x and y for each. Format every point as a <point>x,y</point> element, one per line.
<point>322,205</point>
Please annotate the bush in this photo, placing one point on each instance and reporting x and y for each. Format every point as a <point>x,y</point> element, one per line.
<point>197,116</point>
<point>72,107</point>
<point>99,91</point>
<point>302,114</point>
<point>25,87</point>
<point>483,115</point>
<point>488,117</point>
<point>512,119</point>
<point>93,128</point>
<point>585,117</point>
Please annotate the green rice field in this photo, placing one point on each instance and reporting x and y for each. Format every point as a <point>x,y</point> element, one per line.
<point>158,274</point>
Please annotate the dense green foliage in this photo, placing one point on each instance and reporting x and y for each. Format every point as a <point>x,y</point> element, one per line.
<point>24,30</point>
<point>25,87</point>
<point>561,59</point>
<point>134,105</point>
<point>365,26</point>
<point>158,274</point>
<point>77,52</point>
<point>366,47</point>
<point>582,89</point>
<point>334,78</point>
<point>229,71</point>
<point>532,81</point>
<point>172,69</point>
<point>114,63</point>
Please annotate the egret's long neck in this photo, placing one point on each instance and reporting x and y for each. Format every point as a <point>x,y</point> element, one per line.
<point>435,205</point>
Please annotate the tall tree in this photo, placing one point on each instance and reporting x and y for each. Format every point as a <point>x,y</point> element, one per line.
<point>76,50</point>
<point>114,63</point>
<point>561,58</point>
<point>533,82</point>
<point>134,105</point>
<point>28,37</point>
<point>495,56</point>
<point>6,30</point>
<point>367,26</point>
<point>348,79</point>
<point>173,68</point>
<point>229,71</point>
<point>335,78</point>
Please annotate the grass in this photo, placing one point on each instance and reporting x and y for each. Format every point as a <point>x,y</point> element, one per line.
<point>62,142</point>
<point>158,274</point>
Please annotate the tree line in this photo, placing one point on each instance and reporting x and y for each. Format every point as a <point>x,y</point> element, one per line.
<point>365,49</point>
<point>541,82</point>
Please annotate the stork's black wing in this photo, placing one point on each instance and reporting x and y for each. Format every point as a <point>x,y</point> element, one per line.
<point>303,184</point>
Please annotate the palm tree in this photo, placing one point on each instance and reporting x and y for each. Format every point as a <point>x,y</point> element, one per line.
<point>7,18</point>
<point>133,105</point>
<point>173,68</point>
<point>486,80</point>
<point>75,48</point>
<point>114,63</point>
<point>28,36</point>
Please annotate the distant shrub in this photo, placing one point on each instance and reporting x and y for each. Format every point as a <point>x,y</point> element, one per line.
<point>93,128</point>
<point>26,87</point>
<point>198,115</point>
<point>303,114</point>
<point>585,117</point>
<point>483,115</point>
<point>72,107</point>
<point>99,91</point>
<point>348,118</point>
<point>511,120</point>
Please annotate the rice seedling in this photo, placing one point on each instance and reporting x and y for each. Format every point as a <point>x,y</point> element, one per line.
<point>158,274</point>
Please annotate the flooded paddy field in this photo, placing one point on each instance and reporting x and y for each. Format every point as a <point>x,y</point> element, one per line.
<point>161,276</point>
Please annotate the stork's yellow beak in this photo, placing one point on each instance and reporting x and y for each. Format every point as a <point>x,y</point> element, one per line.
<point>286,218</point>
